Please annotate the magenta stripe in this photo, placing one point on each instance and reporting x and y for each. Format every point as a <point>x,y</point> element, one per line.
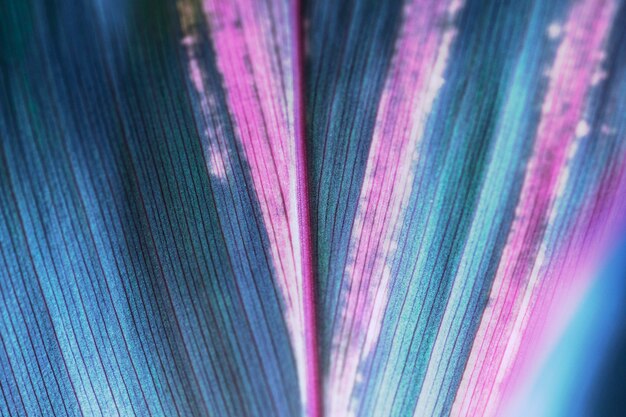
<point>258,58</point>
<point>522,267</point>
<point>414,80</point>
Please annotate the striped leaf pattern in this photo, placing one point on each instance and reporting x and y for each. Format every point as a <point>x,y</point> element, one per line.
<point>304,208</point>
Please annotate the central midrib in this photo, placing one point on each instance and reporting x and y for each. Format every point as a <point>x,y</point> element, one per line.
<point>312,377</point>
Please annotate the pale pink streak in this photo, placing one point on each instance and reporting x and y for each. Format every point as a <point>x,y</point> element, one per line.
<point>565,281</point>
<point>522,265</point>
<point>415,77</point>
<point>253,48</point>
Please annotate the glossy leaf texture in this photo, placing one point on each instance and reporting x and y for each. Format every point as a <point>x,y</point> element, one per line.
<point>318,208</point>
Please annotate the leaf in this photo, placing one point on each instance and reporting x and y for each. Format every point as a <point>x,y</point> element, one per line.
<point>147,206</point>
<point>282,208</point>
<point>454,198</point>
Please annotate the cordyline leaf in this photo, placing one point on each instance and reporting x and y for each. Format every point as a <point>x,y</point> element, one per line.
<point>464,156</point>
<point>320,208</point>
<point>149,229</point>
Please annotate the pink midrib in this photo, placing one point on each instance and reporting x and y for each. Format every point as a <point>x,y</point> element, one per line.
<point>313,388</point>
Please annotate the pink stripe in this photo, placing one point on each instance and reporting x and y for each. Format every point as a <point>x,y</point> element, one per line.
<point>566,279</point>
<point>263,121</point>
<point>254,48</point>
<point>521,266</point>
<point>414,80</point>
